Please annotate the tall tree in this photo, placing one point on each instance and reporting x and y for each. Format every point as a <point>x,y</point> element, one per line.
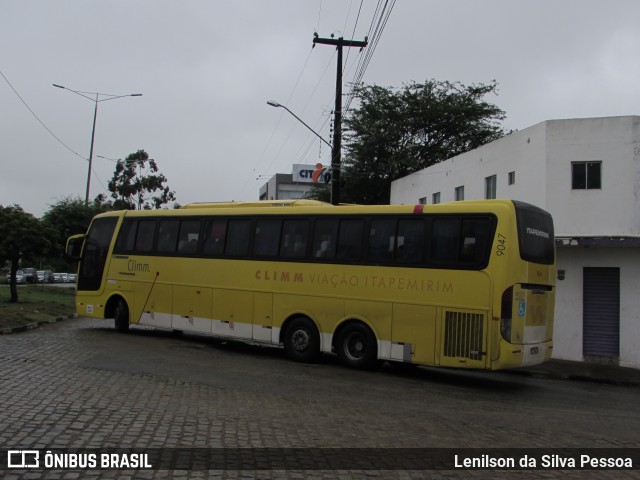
<point>23,238</point>
<point>137,184</point>
<point>395,132</point>
<point>70,216</point>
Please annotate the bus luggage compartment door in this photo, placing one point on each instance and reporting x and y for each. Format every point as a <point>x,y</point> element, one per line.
<point>263,317</point>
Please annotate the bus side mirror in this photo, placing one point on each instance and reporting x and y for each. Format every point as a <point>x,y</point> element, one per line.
<point>74,247</point>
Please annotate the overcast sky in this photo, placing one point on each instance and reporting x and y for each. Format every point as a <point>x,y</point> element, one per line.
<point>206,69</point>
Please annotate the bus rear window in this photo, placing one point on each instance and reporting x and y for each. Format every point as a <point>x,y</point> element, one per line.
<point>535,234</point>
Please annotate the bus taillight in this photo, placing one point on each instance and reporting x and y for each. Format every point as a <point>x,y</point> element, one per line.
<point>506,314</point>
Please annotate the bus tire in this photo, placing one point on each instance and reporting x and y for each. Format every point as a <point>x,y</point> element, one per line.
<point>121,316</point>
<point>302,340</point>
<point>357,347</point>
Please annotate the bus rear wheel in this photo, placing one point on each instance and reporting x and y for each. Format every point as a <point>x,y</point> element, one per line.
<point>302,340</point>
<point>121,316</point>
<point>357,347</point>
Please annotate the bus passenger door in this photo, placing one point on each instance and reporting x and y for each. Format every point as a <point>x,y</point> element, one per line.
<point>191,309</point>
<point>262,317</point>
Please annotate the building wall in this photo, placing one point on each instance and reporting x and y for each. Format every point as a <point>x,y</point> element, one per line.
<point>541,158</point>
<point>519,152</point>
<point>282,187</point>
<point>614,142</point>
<point>567,337</point>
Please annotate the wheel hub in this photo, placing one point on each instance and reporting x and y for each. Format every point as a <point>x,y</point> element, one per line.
<point>300,340</point>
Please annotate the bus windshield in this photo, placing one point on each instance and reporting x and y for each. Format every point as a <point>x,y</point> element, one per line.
<point>535,234</point>
<point>94,255</point>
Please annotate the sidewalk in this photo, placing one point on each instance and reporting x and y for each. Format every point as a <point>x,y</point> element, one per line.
<point>592,372</point>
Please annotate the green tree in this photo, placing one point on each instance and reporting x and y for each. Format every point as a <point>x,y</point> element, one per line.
<point>23,238</point>
<point>395,132</point>
<point>137,184</point>
<point>70,216</point>
<point>320,191</point>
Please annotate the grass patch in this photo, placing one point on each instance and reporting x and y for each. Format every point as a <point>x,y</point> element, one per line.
<point>36,303</point>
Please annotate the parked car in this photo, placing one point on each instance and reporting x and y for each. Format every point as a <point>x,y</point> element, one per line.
<point>57,278</point>
<point>72,277</point>
<point>19,277</point>
<point>44,276</point>
<point>29,275</point>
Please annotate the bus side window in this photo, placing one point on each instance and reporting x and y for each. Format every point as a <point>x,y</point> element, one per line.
<point>188,238</point>
<point>144,236</point>
<point>350,239</point>
<point>382,239</point>
<point>267,238</point>
<point>214,239</point>
<point>411,241</point>
<point>238,238</point>
<point>324,238</point>
<point>475,235</point>
<point>294,238</point>
<point>445,241</point>
<point>168,236</point>
<point>127,236</point>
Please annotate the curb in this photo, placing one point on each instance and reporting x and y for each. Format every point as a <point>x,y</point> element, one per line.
<point>34,325</point>
<point>612,379</point>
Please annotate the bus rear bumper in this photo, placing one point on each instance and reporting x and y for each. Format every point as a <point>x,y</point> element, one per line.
<point>517,356</point>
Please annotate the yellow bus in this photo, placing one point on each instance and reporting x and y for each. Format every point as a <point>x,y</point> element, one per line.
<point>464,284</point>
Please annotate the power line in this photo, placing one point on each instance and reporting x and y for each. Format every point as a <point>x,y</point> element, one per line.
<point>294,126</point>
<point>275,128</point>
<point>380,25</point>
<point>38,119</point>
<point>378,22</point>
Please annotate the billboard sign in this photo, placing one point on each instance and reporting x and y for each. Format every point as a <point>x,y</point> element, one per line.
<point>309,173</point>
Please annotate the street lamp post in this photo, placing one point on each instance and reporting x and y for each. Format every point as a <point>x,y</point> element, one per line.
<point>93,130</point>
<point>279,105</point>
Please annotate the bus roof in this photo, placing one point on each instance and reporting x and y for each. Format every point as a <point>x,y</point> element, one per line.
<point>261,203</point>
<point>304,206</point>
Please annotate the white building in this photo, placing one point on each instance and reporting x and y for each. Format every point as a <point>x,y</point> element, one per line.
<point>586,172</point>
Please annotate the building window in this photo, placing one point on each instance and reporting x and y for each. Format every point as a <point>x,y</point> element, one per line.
<point>435,198</point>
<point>422,201</point>
<point>586,175</point>
<point>512,178</point>
<point>490,187</point>
<point>459,193</point>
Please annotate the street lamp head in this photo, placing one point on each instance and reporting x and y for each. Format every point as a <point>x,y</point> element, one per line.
<point>136,95</point>
<point>59,86</point>
<point>273,103</point>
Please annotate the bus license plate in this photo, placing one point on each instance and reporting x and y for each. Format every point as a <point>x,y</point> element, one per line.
<point>534,350</point>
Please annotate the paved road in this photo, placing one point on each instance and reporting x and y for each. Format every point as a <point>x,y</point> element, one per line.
<point>79,384</point>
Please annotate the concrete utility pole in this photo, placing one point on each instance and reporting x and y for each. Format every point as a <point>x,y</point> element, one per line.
<point>337,122</point>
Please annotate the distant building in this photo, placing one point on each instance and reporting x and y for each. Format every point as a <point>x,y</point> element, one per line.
<point>294,185</point>
<point>586,172</point>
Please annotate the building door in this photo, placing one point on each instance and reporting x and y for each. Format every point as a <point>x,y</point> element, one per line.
<point>601,312</point>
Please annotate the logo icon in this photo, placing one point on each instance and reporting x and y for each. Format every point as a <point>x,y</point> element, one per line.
<point>23,459</point>
<point>318,172</point>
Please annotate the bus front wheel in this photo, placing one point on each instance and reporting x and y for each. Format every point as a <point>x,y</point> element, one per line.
<point>121,316</point>
<point>302,340</point>
<point>357,347</point>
